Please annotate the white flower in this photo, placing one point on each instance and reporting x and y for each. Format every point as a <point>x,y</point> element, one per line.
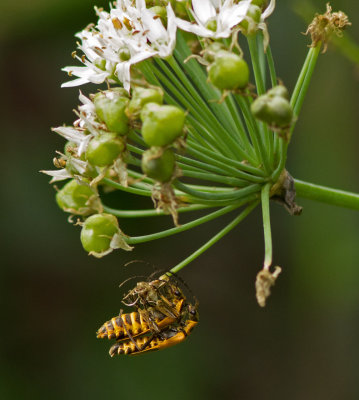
<point>215,18</point>
<point>62,174</point>
<point>123,37</point>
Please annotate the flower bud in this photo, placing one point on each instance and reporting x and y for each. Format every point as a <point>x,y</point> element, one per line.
<point>280,91</point>
<point>101,234</point>
<point>162,124</point>
<point>229,71</point>
<point>104,149</point>
<point>78,199</point>
<point>253,17</point>
<point>275,111</point>
<point>142,96</point>
<point>110,107</point>
<point>158,164</point>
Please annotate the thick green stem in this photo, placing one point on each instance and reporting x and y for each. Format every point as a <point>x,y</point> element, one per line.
<point>215,238</point>
<point>327,195</point>
<point>267,226</point>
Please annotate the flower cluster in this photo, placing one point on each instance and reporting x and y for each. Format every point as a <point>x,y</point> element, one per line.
<point>181,120</point>
<point>131,33</point>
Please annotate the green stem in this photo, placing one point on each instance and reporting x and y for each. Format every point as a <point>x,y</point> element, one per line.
<point>149,213</point>
<point>327,195</point>
<point>181,228</point>
<point>267,226</point>
<point>271,66</point>
<point>252,43</point>
<point>215,238</point>
<point>297,100</point>
<point>233,195</point>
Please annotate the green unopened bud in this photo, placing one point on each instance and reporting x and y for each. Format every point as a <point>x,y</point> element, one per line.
<point>104,149</point>
<point>162,125</point>
<point>253,17</point>
<point>280,91</point>
<point>110,107</point>
<point>78,198</point>
<point>275,111</point>
<point>158,164</point>
<point>101,234</point>
<point>142,96</point>
<point>229,71</point>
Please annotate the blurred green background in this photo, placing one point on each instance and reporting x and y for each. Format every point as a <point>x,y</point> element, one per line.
<point>303,345</point>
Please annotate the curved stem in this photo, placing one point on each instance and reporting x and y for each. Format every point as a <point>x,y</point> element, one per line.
<point>149,213</point>
<point>215,238</point>
<point>181,228</point>
<point>327,195</point>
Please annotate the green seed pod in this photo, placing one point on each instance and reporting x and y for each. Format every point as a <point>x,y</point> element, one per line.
<point>162,125</point>
<point>229,71</point>
<point>78,199</point>
<point>275,111</point>
<point>280,111</point>
<point>98,231</point>
<point>280,91</point>
<point>142,96</point>
<point>158,164</point>
<point>110,107</point>
<point>253,17</point>
<point>104,149</point>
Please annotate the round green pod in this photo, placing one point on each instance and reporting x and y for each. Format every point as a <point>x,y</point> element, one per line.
<point>158,164</point>
<point>162,124</point>
<point>98,231</point>
<point>259,107</point>
<point>280,91</point>
<point>110,107</point>
<point>74,197</point>
<point>280,112</point>
<point>142,96</point>
<point>274,111</point>
<point>104,149</point>
<point>229,71</point>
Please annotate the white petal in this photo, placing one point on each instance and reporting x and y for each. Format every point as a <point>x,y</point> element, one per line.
<point>58,175</point>
<point>204,10</point>
<point>194,28</point>
<point>268,11</point>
